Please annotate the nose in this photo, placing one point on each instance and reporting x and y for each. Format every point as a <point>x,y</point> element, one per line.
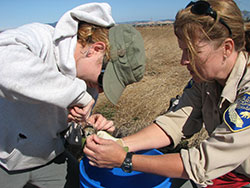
<point>184,59</point>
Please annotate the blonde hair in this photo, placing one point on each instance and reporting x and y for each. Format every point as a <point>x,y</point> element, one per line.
<point>90,33</point>
<point>187,24</point>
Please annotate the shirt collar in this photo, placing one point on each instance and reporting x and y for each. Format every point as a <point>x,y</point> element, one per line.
<point>230,90</point>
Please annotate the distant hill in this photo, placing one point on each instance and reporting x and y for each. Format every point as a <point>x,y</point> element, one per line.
<point>148,23</point>
<point>245,14</point>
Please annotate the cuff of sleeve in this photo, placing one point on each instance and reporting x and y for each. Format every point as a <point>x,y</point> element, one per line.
<point>83,97</point>
<point>170,128</point>
<point>193,167</point>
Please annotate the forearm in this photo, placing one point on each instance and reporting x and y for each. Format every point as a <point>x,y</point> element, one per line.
<point>169,165</point>
<point>150,137</point>
<point>106,153</point>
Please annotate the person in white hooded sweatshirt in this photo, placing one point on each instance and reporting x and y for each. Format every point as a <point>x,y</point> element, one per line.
<point>45,75</point>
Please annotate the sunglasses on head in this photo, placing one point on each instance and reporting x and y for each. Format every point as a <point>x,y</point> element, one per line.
<point>204,8</point>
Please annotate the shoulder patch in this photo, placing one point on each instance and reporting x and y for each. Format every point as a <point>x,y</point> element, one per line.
<point>237,116</point>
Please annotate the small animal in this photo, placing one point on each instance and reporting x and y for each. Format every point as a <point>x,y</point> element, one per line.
<point>88,130</point>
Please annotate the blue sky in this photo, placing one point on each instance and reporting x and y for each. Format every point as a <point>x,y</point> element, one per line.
<point>14,13</point>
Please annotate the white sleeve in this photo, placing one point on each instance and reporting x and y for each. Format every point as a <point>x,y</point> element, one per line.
<point>29,72</point>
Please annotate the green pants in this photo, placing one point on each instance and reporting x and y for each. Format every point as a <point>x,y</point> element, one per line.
<point>62,172</point>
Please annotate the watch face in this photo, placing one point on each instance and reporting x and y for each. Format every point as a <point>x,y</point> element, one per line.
<point>127,167</point>
<point>127,163</point>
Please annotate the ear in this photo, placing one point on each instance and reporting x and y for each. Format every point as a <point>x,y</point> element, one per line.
<point>97,47</point>
<point>228,47</point>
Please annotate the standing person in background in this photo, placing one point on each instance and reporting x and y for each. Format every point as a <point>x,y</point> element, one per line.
<point>45,73</point>
<point>215,49</point>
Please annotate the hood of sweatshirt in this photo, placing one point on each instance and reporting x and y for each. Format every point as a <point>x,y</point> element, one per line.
<point>65,35</point>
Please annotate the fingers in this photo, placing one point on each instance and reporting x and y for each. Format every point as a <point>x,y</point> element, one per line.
<point>86,110</point>
<point>93,148</point>
<point>103,153</point>
<point>99,141</point>
<point>70,118</point>
<point>90,147</point>
<point>74,116</point>
<point>104,124</point>
<point>93,142</point>
<point>110,129</point>
<point>92,163</point>
<point>101,123</point>
<point>80,114</point>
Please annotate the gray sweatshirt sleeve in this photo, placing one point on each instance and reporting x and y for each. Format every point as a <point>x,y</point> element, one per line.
<point>29,69</point>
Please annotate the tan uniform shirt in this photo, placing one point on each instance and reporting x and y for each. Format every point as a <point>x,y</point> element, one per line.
<point>225,113</point>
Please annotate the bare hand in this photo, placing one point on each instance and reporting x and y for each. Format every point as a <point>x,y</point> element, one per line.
<point>101,123</point>
<point>80,114</point>
<point>103,153</point>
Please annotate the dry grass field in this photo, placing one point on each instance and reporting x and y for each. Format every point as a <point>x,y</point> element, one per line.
<point>164,78</point>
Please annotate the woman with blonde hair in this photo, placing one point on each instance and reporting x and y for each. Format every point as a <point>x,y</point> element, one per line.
<point>215,49</point>
<point>50,76</point>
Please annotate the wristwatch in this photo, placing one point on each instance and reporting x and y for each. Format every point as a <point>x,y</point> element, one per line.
<point>127,163</point>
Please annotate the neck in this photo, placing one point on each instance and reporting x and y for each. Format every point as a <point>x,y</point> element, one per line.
<point>229,65</point>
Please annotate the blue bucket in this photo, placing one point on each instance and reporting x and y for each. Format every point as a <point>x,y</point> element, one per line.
<point>93,177</point>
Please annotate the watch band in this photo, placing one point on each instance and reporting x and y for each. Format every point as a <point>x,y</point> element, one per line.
<point>127,163</point>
